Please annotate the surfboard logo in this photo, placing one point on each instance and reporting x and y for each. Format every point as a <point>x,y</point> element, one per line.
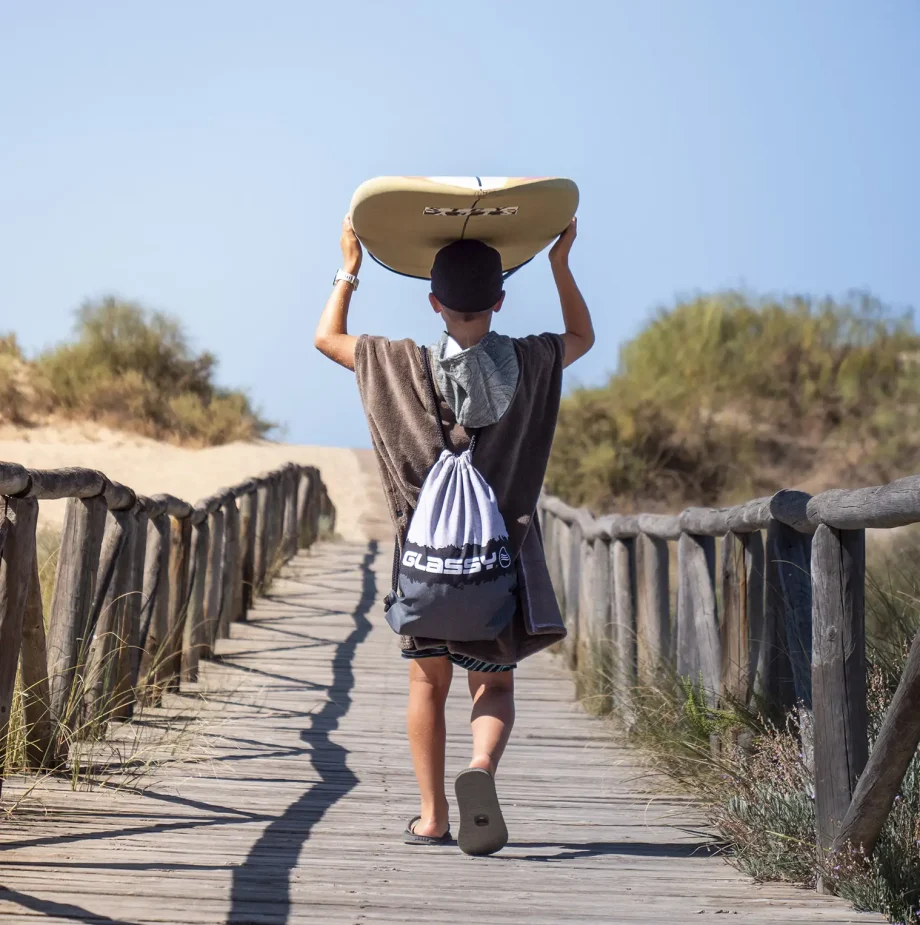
<point>466,213</point>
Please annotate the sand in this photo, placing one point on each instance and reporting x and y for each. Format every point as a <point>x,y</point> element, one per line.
<point>149,466</point>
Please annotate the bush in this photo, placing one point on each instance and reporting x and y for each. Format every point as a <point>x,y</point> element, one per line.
<point>725,396</point>
<point>134,369</point>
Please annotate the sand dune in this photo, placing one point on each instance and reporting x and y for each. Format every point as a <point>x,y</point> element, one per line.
<point>150,467</point>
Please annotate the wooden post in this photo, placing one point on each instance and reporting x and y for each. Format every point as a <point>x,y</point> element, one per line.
<point>17,560</point>
<point>129,652</point>
<point>741,626</point>
<point>623,581</point>
<point>785,664</point>
<point>232,589</point>
<point>279,495</point>
<point>891,756</point>
<point>303,507</point>
<point>248,516</point>
<point>653,607</point>
<point>195,627</point>
<point>311,507</point>
<point>555,532</point>
<point>291,532</point>
<point>36,692</point>
<point>180,546</point>
<point>328,521</point>
<point>155,616</point>
<point>261,547</point>
<point>698,643</point>
<point>271,528</point>
<point>572,568</point>
<point>602,629</point>
<point>213,582</point>
<point>74,586</point>
<point>584,656</point>
<point>838,564</point>
<point>116,563</point>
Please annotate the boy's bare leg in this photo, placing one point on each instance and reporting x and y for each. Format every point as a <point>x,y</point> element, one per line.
<point>492,718</point>
<point>429,683</point>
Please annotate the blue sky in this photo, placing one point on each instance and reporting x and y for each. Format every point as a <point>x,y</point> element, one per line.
<point>199,156</point>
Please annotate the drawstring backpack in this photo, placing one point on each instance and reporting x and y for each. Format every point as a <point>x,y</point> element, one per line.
<point>454,578</point>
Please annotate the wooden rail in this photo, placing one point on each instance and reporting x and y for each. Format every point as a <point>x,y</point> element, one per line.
<point>143,588</point>
<point>791,631</point>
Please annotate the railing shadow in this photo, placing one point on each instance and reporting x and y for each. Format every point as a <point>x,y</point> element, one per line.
<point>266,870</point>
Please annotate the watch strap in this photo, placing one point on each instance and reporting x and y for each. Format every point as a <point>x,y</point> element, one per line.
<point>348,277</point>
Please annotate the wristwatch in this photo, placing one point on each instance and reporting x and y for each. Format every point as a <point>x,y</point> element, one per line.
<point>348,277</point>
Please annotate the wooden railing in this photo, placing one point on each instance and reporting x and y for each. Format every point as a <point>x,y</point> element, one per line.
<point>791,629</point>
<point>143,587</point>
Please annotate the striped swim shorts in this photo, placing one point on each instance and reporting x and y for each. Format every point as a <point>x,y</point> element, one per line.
<point>463,661</point>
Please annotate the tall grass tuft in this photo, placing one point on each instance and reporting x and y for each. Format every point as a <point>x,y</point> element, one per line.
<point>90,748</point>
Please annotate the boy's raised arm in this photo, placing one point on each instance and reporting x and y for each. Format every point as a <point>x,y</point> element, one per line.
<point>579,332</point>
<point>332,338</point>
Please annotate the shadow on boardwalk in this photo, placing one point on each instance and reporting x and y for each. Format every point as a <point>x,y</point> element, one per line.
<point>267,869</point>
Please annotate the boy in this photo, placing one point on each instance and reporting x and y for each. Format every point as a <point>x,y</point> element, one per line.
<point>508,391</point>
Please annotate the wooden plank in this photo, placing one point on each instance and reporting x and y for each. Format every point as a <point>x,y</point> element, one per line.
<point>653,607</point>
<point>838,566</point>
<point>74,587</point>
<point>698,643</point>
<point>17,562</point>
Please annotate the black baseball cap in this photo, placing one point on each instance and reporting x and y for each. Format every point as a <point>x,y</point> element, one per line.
<point>467,276</point>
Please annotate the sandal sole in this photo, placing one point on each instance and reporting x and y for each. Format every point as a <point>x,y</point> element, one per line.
<point>482,826</point>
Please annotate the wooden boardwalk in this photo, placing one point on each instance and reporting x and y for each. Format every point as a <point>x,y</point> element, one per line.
<point>294,811</point>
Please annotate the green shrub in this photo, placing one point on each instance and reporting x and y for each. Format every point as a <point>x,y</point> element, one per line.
<point>728,395</point>
<point>134,369</point>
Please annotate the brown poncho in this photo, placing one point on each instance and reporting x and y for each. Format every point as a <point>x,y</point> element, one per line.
<point>511,455</point>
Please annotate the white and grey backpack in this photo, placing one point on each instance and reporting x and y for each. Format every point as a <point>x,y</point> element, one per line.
<point>454,578</point>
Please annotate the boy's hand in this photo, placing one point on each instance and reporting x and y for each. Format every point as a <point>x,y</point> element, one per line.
<point>351,248</point>
<point>559,252</point>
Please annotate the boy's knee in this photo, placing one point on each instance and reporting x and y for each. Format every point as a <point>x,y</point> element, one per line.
<point>483,682</point>
<point>432,674</point>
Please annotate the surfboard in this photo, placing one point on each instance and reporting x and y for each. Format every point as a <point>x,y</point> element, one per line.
<point>404,221</point>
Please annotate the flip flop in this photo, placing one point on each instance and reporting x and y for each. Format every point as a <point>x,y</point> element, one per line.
<point>482,826</point>
<point>410,838</point>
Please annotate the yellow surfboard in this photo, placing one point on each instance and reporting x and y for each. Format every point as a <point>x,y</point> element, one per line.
<point>404,221</point>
